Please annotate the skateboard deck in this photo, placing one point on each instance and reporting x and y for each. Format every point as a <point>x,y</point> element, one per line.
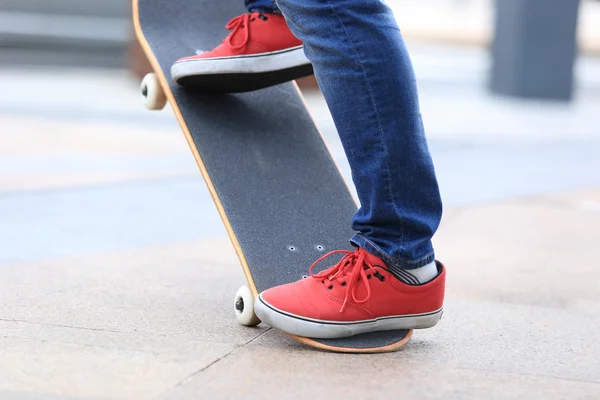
<point>273,180</point>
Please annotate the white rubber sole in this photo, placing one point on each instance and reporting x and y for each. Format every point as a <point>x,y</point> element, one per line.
<point>317,329</point>
<point>250,64</point>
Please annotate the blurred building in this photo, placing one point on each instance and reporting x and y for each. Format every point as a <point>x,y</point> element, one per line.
<point>99,33</point>
<point>64,32</point>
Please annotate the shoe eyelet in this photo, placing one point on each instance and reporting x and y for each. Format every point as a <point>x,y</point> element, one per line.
<point>344,283</point>
<point>330,287</point>
<point>368,276</point>
<point>379,276</point>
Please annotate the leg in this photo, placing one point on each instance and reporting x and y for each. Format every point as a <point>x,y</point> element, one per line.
<point>260,51</point>
<point>391,280</point>
<point>365,73</point>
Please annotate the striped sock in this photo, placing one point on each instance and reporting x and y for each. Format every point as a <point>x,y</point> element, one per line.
<point>417,276</point>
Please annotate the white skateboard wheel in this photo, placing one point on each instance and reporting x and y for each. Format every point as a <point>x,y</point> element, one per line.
<point>244,307</point>
<point>154,96</point>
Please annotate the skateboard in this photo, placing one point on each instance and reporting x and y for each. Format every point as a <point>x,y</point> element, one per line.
<point>271,176</point>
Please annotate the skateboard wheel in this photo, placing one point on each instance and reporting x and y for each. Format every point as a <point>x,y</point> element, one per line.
<point>154,96</point>
<point>244,307</point>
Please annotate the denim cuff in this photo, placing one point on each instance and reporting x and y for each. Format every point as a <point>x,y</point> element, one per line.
<point>266,10</point>
<point>362,242</point>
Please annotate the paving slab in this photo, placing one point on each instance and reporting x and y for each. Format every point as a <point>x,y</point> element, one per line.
<point>179,290</point>
<point>60,367</point>
<point>479,350</point>
<point>515,325</point>
<point>122,325</point>
<point>539,250</point>
<point>163,316</point>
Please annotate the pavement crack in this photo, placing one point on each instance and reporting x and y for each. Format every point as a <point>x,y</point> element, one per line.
<point>60,325</point>
<point>102,346</point>
<point>189,377</point>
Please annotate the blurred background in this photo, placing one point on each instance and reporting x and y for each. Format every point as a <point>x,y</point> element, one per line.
<point>103,211</point>
<point>509,96</point>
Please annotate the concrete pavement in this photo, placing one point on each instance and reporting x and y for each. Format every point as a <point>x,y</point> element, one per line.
<point>117,278</point>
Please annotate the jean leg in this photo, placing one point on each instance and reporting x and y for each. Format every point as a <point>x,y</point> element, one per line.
<point>264,6</point>
<point>365,73</point>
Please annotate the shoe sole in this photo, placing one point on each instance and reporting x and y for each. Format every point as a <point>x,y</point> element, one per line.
<point>318,329</point>
<point>242,73</point>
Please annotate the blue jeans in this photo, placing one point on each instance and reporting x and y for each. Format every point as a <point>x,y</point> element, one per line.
<point>365,73</point>
<point>264,6</point>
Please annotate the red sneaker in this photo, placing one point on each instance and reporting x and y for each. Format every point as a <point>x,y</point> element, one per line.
<point>260,51</point>
<point>357,295</point>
